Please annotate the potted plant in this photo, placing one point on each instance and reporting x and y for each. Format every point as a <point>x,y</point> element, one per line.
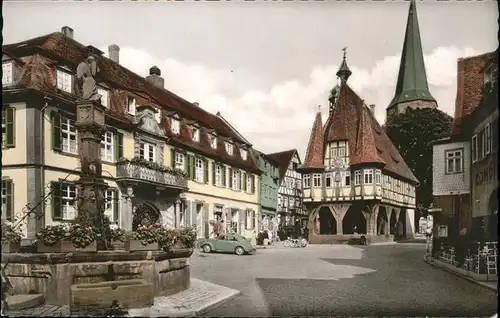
<point>145,238</point>
<point>11,238</point>
<point>79,238</point>
<point>177,242</point>
<point>50,237</point>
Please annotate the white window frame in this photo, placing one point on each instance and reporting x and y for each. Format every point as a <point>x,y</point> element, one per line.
<point>368,176</point>
<point>316,180</point>
<point>199,172</point>
<point>104,96</point>
<point>108,147</point>
<point>357,177</point>
<point>243,154</point>
<point>7,73</point>
<point>131,105</point>
<point>179,160</point>
<point>69,193</point>
<point>147,151</point>
<point>474,148</point>
<point>229,148</point>
<point>249,183</point>
<point>347,176</point>
<point>454,157</point>
<point>195,134</point>
<point>378,176</point>
<point>487,139</point>
<point>62,78</point>
<point>69,136</point>
<point>218,175</point>
<point>236,180</point>
<point>328,177</point>
<point>213,142</point>
<point>110,202</point>
<point>307,181</point>
<point>175,126</point>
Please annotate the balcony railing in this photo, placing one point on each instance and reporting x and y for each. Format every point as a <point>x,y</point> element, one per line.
<point>135,171</point>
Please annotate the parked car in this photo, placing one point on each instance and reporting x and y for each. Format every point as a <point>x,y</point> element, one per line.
<point>228,243</point>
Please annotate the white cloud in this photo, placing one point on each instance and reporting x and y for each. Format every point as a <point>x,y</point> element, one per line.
<point>281,118</point>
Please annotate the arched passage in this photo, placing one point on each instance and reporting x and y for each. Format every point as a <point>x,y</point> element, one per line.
<point>393,222</point>
<point>382,221</point>
<point>327,222</point>
<point>354,219</point>
<point>145,213</point>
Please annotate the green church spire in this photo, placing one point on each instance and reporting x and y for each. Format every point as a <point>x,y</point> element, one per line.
<point>412,79</point>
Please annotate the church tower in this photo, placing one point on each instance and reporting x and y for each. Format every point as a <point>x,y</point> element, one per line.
<point>412,89</point>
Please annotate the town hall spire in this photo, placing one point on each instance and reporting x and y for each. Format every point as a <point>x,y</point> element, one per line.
<point>412,88</point>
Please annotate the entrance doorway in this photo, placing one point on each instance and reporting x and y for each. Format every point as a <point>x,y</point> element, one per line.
<point>354,220</point>
<point>327,222</point>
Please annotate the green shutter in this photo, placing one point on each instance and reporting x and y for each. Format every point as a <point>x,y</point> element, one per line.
<point>172,154</point>
<point>56,200</point>
<point>246,219</point>
<point>116,205</point>
<point>213,172</point>
<point>118,146</point>
<point>10,127</point>
<point>230,178</point>
<point>186,164</point>
<point>205,166</point>
<point>9,193</point>
<point>56,131</point>
<point>244,181</point>
<point>223,175</point>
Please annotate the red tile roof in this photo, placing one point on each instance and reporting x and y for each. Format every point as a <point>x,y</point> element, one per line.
<point>352,120</point>
<point>283,160</point>
<point>38,73</point>
<point>470,79</point>
<point>314,154</point>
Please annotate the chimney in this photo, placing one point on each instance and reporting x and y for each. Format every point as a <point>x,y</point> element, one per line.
<point>155,77</point>
<point>114,53</point>
<point>66,30</point>
<point>372,108</point>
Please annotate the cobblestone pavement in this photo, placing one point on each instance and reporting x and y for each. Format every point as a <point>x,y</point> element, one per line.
<point>341,280</point>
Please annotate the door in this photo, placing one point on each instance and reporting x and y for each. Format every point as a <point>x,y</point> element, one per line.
<point>199,220</point>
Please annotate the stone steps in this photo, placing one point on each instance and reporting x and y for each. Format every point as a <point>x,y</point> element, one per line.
<point>25,301</point>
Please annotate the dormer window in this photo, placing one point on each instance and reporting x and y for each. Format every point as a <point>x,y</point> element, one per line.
<point>7,71</point>
<point>175,126</point>
<point>489,78</point>
<point>64,81</point>
<point>158,116</point>
<point>213,142</point>
<point>131,106</point>
<point>243,154</point>
<point>104,96</point>
<point>195,134</point>
<point>229,148</point>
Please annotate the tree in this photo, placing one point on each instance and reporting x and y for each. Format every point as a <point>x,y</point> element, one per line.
<point>413,133</point>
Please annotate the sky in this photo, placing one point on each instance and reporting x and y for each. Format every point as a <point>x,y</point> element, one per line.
<point>266,66</point>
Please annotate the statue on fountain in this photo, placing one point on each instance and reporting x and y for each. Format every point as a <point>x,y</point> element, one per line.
<point>85,79</point>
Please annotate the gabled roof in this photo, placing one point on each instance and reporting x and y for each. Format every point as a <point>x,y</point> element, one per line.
<point>42,53</point>
<point>314,158</point>
<point>283,159</point>
<point>412,78</point>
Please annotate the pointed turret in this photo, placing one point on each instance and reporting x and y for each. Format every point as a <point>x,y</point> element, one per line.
<point>412,79</point>
<point>314,153</point>
<point>344,72</point>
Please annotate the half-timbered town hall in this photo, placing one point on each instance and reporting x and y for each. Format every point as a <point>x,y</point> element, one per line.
<point>354,179</point>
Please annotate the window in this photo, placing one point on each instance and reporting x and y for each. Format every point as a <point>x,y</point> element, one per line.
<point>307,181</point>
<point>7,200</point>
<point>195,134</point>
<point>213,142</point>
<point>104,96</point>
<point>64,81</point>
<point>68,201</point>
<point>489,78</point>
<point>454,160</point>
<point>107,147</point>
<point>175,126</point>
<point>229,148</point>
<point>111,205</point>
<point>236,180</point>
<point>199,170</point>
<point>348,178</point>
<point>249,183</point>
<point>179,160</point>
<point>474,148</point>
<point>494,134</point>
<point>131,106</point>
<point>147,151</point>
<point>7,69</point>
<point>8,127</point>
<point>158,116</point>
<point>378,176</point>
<point>218,176</point>
<point>487,139</point>
<point>357,177</point>
<point>368,175</point>
<point>69,136</point>
<point>243,154</point>
<point>480,145</point>
<point>316,180</point>
<point>328,180</point>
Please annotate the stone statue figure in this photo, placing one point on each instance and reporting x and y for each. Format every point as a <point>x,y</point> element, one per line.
<point>85,75</point>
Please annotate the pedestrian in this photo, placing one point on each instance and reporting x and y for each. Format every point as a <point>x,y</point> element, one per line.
<point>306,233</point>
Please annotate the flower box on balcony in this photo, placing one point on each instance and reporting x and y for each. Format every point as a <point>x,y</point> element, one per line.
<point>136,245</point>
<point>11,247</point>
